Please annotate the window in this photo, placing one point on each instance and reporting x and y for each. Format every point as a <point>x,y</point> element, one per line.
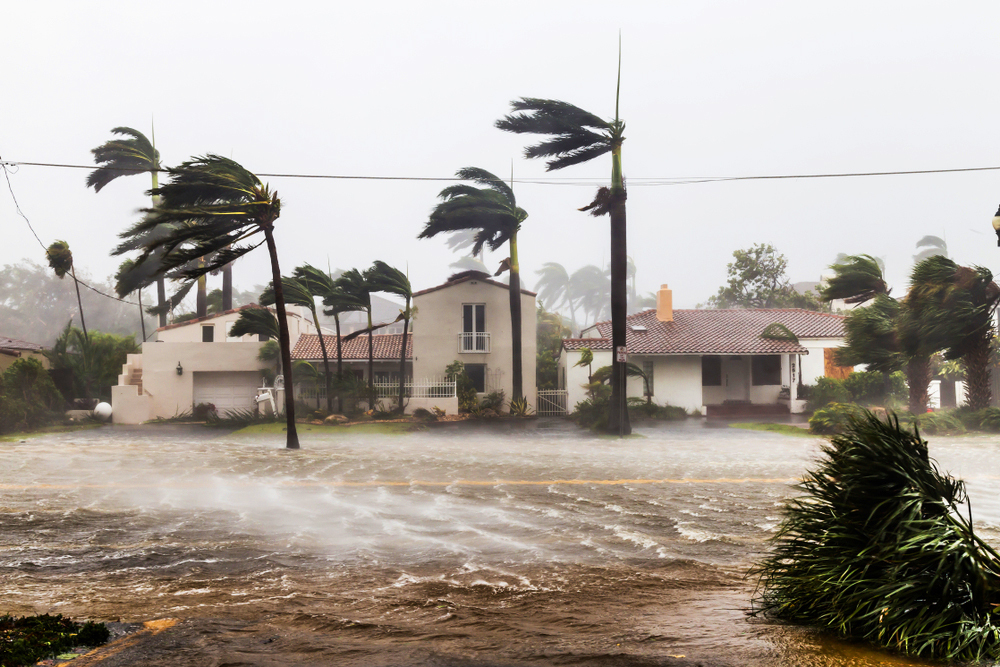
<point>477,373</point>
<point>765,369</point>
<point>263,337</point>
<point>711,371</point>
<point>474,336</point>
<point>647,368</point>
<point>207,333</point>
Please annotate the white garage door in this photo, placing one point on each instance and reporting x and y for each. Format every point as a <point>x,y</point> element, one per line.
<point>230,390</point>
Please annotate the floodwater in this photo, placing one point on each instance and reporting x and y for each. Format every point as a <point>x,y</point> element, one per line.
<point>475,545</point>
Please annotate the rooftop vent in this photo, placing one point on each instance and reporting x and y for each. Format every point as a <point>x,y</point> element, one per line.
<point>637,327</point>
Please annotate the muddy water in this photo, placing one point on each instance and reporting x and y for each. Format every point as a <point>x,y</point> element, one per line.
<point>469,546</point>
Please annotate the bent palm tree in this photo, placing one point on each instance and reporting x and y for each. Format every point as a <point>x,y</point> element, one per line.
<point>61,261</point>
<point>493,213</point>
<point>123,270</point>
<point>555,289</point>
<point>857,279</point>
<point>214,208</point>
<point>125,157</point>
<point>356,286</point>
<point>579,136</point>
<point>385,278</point>
<point>953,309</point>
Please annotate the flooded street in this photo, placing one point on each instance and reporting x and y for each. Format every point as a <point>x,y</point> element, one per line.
<point>475,545</point>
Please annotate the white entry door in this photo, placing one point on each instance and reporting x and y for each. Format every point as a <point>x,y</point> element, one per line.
<point>226,390</point>
<point>735,376</point>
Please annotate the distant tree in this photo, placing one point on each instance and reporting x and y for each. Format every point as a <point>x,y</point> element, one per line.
<point>548,342</point>
<point>555,289</point>
<point>28,398</point>
<point>756,279</point>
<point>61,261</point>
<point>857,279</point>
<point>594,290</point>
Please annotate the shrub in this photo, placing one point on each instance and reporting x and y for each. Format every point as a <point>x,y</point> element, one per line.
<point>464,387</point>
<point>26,640</point>
<point>989,419</point>
<point>640,408</point>
<point>936,423</point>
<point>827,391</point>
<point>421,414</point>
<point>29,398</point>
<point>519,408</point>
<point>882,549</point>
<point>593,412</point>
<point>204,411</point>
<point>493,401</point>
<point>833,418</point>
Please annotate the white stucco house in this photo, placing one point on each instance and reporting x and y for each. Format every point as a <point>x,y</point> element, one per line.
<point>733,361</point>
<point>195,362</point>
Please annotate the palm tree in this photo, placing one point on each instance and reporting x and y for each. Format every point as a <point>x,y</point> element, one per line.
<point>952,308</point>
<point>857,279</point>
<point>123,269</point>
<point>299,293</point>
<point>320,284</point>
<point>61,261</point>
<point>384,278</point>
<point>493,212</point>
<point>592,284</point>
<point>932,246</point>
<point>579,136</point>
<point>125,157</point>
<point>356,286</point>
<point>335,302</point>
<point>214,208</point>
<point>555,289</point>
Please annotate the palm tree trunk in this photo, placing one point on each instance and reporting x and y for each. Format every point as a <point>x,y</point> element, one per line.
<point>402,358</point>
<point>978,392</point>
<point>227,288</point>
<point>517,389</point>
<point>326,361</point>
<point>79,302</point>
<point>618,421</point>
<point>202,299</point>
<point>918,376</point>
<point>292,441</point>
<point>161,283</point>
<point>142,316</point>
<point>340,365</point>
<point>371,363</point>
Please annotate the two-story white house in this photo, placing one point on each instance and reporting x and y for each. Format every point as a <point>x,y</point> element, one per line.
<point>732,361</point>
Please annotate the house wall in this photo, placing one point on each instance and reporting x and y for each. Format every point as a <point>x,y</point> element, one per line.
<point>676,380</point>
<point>436,338</point>
<point>7,360</point>
<point>577,376</point>
<point>812,363</point>
<point>170,393</point>
<point>299,322</point>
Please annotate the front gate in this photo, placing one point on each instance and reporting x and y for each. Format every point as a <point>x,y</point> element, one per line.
<point>552,403</point>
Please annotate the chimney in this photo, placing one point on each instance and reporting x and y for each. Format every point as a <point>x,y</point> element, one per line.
<point>665,304</point>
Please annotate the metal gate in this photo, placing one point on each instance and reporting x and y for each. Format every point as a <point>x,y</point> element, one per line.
<point>552,403</point>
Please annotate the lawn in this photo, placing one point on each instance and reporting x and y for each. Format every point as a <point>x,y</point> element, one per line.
<point>61,428</point>
<point>786,429</point>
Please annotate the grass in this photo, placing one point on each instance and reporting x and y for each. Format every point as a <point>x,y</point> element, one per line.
<point>61,428</point>
<point>784,429</point>
<point>366,428</point>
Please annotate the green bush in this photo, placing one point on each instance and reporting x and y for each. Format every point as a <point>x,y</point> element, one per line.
<point>468,400</point>
<point>869,388</point>
<point>493,401</point>
<point>28,639</point>
<point>640,408</point>
<point>30,399</point>
<point>989,419</point>
<point>881,548</point>
<point>424,415</point>
<point>519,408</point>
<point>936,423</point>
<point>827,391</point>
<point>593,412</point>
<point>833,418</point>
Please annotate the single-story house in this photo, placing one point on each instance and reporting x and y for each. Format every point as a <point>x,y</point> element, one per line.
<point>715,361</point>
<point>12,349</point>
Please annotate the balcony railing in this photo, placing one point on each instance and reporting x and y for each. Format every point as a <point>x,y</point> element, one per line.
<point>474,341</point>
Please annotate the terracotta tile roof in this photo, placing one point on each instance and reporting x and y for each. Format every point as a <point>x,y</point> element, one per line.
<point>209,317</point>
<point>481,277</point>
<point>386,346</point>
<point>731,331</point>
<point>15,344</point>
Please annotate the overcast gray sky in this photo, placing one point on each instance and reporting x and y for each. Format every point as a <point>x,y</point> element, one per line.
<point>413,89</point>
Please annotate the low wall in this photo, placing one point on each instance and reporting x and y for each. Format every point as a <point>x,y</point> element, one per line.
<point>128,407</point>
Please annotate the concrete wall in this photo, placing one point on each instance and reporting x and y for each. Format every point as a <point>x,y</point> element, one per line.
<point>299,322</point>
<point>812,363</point>
<point>435,341</point>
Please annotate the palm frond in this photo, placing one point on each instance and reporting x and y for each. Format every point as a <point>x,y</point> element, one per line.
<point>578,135</point>
<point>256,321</point>
<point>60,258</point>
<point>385,278</point>
<point>122,157</point>
<point>857,279</point>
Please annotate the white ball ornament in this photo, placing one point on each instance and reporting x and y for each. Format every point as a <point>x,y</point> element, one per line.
<point>103,412</point>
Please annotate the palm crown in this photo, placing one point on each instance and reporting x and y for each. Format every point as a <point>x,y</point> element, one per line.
<point>491,211</point>
<point>123,157</point>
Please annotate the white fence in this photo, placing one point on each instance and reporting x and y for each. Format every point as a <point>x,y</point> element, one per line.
<point>422,389</point>
<point>552,402</point>
<point>473,341</point>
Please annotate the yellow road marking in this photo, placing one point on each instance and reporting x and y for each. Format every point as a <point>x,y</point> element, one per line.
<point>420,482</point>
<point>101,653</point>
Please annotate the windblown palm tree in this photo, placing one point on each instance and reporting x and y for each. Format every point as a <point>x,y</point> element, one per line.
<point>61,261</point>
<point>932,247</point>
<point>125,157</point>
<point>299,293</point>
<point>356,286</point>
<point>592,284</point>
<point>555,289</point>
<point>335,302</point>
<point>493,212</point>
<point>857,279</point>
<point>384,278</point>
<point>952,308</point>
<point>214,208</point>
<point>579,136</point>
<point>123,269</point>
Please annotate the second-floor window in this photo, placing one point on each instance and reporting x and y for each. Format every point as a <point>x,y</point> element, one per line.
<point>208,333</point>
<point>474,337</point>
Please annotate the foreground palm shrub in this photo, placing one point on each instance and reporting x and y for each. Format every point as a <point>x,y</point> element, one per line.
<point>881,549</point>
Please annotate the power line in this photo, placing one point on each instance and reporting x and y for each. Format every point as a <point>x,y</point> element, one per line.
<point>641,181</point>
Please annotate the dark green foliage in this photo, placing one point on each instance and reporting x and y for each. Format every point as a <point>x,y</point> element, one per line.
<point>756,279</point>
<point>519,408</point>
<point>28,398</point>
<point>593,412</point>
<point>827,391</point>
<point>204,411</point>
<point>468,401</point>
<point>93,361</point>
<point>936,423</point>
<point>778,331</point>
<point>424,415</point>
<point>880,549</point>
<point>833,418</point>
<point>122,157</point>
<point>857,279</point>
<point>865,388</point>
<point>548,341</point>
<point>574,139</point>
<point>493,401</point>
<point>639,407</point>
<point>28,639</point>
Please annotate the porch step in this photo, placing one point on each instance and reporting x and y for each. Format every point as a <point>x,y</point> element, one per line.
<point>745,409</point>
<point>136,379</point>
